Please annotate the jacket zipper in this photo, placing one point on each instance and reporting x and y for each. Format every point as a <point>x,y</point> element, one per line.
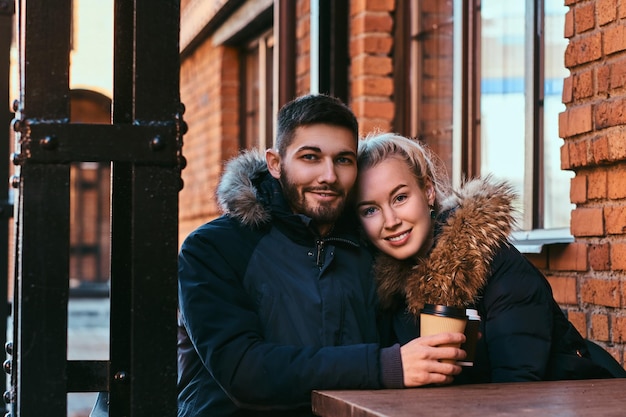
<point>320,248</point>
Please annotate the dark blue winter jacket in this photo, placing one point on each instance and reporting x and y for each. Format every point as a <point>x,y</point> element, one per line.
<point>269,311</point>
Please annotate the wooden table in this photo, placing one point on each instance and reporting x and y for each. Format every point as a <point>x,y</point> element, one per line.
<point>587,398</point>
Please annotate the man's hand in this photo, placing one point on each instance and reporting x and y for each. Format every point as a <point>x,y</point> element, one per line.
<point>421,359</point>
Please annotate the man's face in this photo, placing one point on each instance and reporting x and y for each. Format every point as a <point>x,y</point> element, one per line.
<point>317,172</point>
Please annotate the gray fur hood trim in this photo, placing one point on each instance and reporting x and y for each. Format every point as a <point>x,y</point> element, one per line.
<point>237,194</point>
<point>458,266</point>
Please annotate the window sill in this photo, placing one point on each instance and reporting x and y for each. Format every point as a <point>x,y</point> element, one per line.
<point>532,241</point>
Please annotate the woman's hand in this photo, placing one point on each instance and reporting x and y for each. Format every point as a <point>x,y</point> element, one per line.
<point>421,359</point>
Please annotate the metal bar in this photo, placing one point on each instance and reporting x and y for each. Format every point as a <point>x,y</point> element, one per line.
<point>121,207</point>
<point>43,291</point>
<point>155,190</point>
<point>58,142</point>
<point>7,10</point>
<point>43,233</point>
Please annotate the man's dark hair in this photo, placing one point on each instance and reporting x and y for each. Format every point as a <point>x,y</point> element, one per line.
<point>309,110</point>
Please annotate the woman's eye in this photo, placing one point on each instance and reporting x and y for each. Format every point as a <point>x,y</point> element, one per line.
<point>368,211</point>
<point>401,197</point>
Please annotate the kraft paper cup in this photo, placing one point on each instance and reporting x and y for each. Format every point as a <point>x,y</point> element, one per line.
<point>471,337</point>
<point>436,318</point>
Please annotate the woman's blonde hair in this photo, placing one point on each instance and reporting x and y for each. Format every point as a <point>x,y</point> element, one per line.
<point>423,163</point>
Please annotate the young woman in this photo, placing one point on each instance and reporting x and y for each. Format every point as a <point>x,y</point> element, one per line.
<point>451,247</point>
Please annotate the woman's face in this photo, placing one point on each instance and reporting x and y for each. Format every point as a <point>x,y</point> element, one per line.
<point>394,210</point>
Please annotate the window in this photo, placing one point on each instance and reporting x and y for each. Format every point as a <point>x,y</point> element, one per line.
<point>522,75</point>
<point>258,92</point>
<point>485,82</point>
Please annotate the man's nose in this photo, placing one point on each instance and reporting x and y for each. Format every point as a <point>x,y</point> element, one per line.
<point>329,172</point>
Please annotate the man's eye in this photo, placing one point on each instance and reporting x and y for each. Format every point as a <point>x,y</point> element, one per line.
<point>309,157</point>
<point>345,161</point>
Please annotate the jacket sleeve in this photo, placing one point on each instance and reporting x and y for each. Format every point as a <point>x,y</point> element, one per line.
<point>518,319</point>
<point>224,327</point>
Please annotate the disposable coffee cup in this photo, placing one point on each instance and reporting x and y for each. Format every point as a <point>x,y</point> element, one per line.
<point>471,337</point>
<point>437,318</point>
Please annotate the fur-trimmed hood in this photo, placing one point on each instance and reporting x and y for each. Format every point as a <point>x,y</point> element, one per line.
<point>474,223</point>
<point>238,192</point>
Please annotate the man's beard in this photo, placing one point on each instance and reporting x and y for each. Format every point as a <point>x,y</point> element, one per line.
<point>322,214</point>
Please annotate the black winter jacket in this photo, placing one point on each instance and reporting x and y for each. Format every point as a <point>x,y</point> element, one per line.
<point>269,310</point>
<point>525,334</point>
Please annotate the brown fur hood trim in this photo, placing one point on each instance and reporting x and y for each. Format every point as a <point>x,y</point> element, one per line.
<point>458,266</point>
<point>237,193</point>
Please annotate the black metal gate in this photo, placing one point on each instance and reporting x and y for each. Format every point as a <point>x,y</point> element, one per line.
<point>143,144</point>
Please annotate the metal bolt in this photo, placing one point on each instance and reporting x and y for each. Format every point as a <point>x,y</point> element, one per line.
<point>120,376</point>
<point>16,124</point>
<point>8,397</point>
<point>7,366</point>
<point>16,105</point>
<point>15,181</point>
<point>8,347</point>
<point>49,142</point>
<point>156,144</point>
<point>16,158</point>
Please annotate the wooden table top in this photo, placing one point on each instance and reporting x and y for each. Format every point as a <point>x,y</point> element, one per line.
<point>586,398</point>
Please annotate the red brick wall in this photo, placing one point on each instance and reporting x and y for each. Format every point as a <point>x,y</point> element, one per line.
<point>588,276</point>
<point>371,68</point>
<point>209,89</point>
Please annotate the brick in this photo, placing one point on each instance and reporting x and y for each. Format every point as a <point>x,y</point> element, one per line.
<point>617,146</point>
<point>587,222</point>
<point>583,85</point>
<point>540,260</point>
<point>601,292</point>
<point>569,257</point>
<point>618,328</point>
<point>358,6</point>
<point>578,189</point>
<point>579,320</point>
<point>600,150</point>
<point>379,109</point>
<point>600,327</point>
<point>614,39</point>
<point>376,44</point>
<point>583,50</point>
<point>579,120</point>
<point>371,22</point>
<point>606,11</point>
<point>563,289</point>
<point>599,259</point>
<point>565,159</point>
<point>569,31</point>
<point>567,95</point>
<point>373,86</point>
<point>618,256</point>
<point>371,65</point>
<point>610,113</point>
<point>597,185</point>
<point>617,77</point>
<point>584,18</point>
<point>602,79</point>
<point>617,182</point>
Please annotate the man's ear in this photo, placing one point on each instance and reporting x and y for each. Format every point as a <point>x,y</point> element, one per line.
<point>272,158</point>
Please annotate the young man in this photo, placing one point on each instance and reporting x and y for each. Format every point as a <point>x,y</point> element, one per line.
<point>276,296</point>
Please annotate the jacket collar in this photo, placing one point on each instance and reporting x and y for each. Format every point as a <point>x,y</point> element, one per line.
<point>248,193</point>
<point>475,222</point>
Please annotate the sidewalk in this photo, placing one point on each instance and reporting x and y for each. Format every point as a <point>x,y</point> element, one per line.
<point>88,339</point>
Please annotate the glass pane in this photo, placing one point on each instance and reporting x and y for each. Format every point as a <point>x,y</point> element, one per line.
<point>557,182</point>
<point>502,90</point>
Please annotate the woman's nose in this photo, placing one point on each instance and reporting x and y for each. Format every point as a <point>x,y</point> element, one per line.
<point>391,219</point>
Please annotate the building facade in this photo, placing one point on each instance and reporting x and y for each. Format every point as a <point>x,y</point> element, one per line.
<point>531,91</point>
